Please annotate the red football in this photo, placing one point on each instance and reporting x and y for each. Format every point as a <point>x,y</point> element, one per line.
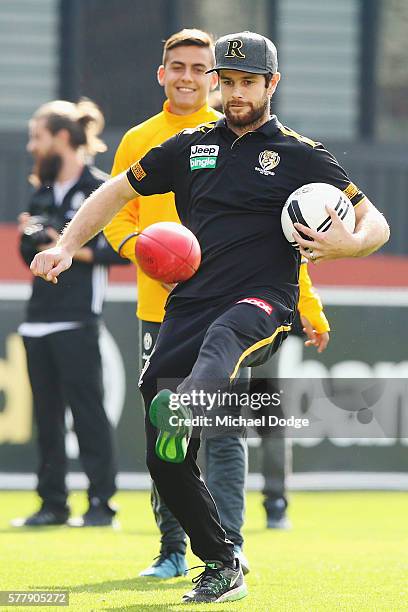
<point>168,252</point>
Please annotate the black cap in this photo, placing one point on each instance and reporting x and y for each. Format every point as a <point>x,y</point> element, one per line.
<point>246,51</point>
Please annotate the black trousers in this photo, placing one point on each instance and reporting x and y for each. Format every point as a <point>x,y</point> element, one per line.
<point>65,369</point>
<point>203,343</point>
<point>226,466</point>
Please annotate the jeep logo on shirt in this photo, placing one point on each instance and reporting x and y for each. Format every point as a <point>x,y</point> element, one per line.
<point>203,156</point>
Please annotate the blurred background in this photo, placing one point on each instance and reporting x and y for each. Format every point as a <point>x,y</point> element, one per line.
<point>344,82</point>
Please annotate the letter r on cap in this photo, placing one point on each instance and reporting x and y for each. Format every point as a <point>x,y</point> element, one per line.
<point>234,49</point>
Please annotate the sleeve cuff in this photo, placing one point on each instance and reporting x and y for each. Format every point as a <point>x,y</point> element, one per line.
<point>134,175</point>
<point>127,247</point>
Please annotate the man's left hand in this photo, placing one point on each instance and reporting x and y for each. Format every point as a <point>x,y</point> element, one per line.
<point>319,340</point>
<point>336,243</point>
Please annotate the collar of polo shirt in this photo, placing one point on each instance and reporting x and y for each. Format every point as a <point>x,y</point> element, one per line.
<point>268,129</point>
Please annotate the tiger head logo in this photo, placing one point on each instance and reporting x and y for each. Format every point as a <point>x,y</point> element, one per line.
<point>268,160</point>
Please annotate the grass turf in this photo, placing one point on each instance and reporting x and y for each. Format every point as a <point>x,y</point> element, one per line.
<point>347,551</point>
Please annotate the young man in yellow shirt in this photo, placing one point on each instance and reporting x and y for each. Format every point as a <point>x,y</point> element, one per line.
<point>186,57</point>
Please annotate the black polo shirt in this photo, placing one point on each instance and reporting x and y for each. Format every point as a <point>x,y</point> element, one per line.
<point>229,191</point>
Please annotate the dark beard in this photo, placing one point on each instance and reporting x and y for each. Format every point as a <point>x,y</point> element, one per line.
<point>46,169</point>
<point>250,118</point>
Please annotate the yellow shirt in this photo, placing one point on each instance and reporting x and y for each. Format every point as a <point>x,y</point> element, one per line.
<point>145,210</point>
<point>309,304</point>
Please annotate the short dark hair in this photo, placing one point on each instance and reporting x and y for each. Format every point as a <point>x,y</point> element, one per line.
<point>187,38</point>
<point>268,79</point>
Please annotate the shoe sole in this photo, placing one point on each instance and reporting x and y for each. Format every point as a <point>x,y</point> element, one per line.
<point>78,523</point>
<point>160,576</point>
<point>20,524</point>
<point>234,595</point>
<point>283,524</point>
<point>172,441</point>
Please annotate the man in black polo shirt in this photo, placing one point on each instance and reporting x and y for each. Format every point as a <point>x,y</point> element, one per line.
<point>231,179</point>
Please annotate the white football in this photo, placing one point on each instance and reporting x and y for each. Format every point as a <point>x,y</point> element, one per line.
<point>307,205</point>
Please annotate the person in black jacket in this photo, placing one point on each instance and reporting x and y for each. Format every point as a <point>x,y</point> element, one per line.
<point>61,330</point>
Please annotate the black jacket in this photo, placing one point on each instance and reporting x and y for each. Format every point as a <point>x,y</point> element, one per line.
<point>79,294</point>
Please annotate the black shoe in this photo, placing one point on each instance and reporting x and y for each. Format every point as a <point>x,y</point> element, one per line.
<point>99,514</point>
<point>217,583</point>
<point>276,514</point>
<point>43,518</point>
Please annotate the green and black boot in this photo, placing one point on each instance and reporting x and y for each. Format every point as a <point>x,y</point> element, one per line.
<point>217,583</point>
<point>170,419</point>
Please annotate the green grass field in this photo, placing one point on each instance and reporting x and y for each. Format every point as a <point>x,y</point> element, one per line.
<point>346,551</point>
